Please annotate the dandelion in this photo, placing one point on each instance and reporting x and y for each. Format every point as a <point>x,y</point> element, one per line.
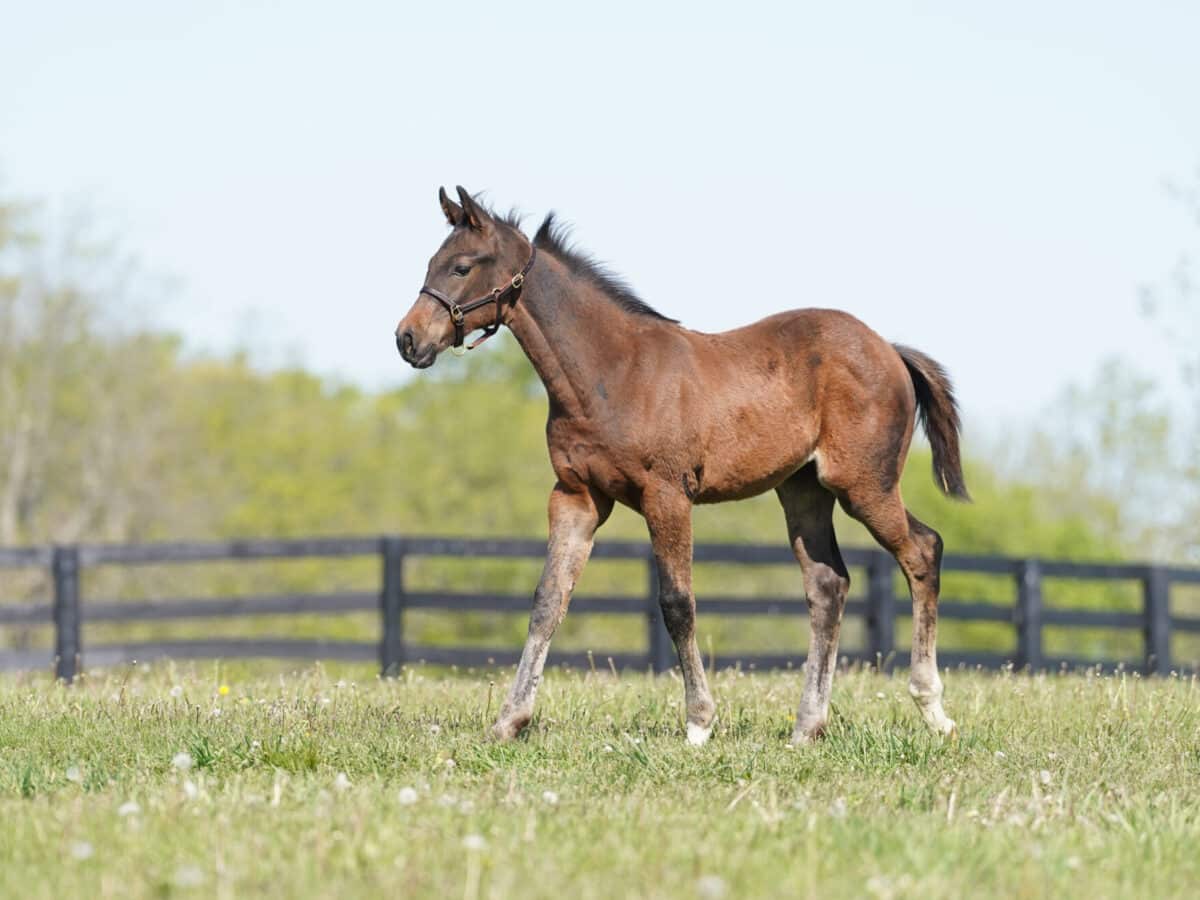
<point>216,712</point>
<point>550,798</point>
<point>223,690</point>
<point>710,887</point>
<point>837,808</point>
<point>407,796</point>
<point>608,748</point>
<point>74,775</point>
<point>341,783</point>
<point>129,808</point>
<point>435,730</point>
<point>450,764</point>
<point>82,850</point>
<point>879,695</point>
<point>474,842</point>
<point>177,691</point>
<point>466,807</point>
<point>190,790</point>
<point>1044,776</point>
<point>182,761</point>
<point>188,877</point>
<point>999,754</point>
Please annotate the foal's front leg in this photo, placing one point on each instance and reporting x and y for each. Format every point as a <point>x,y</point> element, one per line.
<point>669,517</point>
<point>574,518</point>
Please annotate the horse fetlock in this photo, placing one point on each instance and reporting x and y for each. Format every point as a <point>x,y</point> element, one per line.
<point>926,694</point>
<point>929,702</point>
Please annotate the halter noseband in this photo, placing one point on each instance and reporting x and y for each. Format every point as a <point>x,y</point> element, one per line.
<point>458,314</point>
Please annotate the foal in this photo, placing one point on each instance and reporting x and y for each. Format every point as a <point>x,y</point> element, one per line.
<point>809,403</point>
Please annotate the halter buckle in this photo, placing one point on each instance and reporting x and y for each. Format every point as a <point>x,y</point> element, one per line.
<point>517,281</point>
<point>456,314</point>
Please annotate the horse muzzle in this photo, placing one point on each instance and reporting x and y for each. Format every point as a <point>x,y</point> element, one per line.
<point>417,357</point>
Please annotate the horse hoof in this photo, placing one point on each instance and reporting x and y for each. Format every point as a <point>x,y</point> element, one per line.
<point>804,737</point>
<point>508,730</point>
<point>698,735</point>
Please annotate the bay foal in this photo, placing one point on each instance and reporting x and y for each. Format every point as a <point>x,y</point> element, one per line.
<point>809,403</point>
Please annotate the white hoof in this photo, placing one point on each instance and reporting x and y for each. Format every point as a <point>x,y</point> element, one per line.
<point>698,735</point>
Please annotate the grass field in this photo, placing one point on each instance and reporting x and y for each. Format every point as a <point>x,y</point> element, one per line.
<point>212,781</point>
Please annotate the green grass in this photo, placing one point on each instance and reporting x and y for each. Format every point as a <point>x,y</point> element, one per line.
<point>1064,785</point>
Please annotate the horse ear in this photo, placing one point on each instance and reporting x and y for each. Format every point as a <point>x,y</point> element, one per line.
<point>475,216</point>
<point>454,213</point>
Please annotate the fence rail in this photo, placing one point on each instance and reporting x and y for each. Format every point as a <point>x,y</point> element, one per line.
<point>879,608</point>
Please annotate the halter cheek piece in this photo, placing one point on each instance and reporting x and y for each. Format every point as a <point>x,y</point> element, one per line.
<point>458,314</point>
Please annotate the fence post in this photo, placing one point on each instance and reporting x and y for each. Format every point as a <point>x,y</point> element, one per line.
<point>881,609</point>
<point>65,569</point>
<point>1156,607</point>
<point>391,603</point>
<point>657,640</point>
<point>1029,615</point>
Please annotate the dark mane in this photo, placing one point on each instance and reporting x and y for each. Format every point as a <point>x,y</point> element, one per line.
<point>554,238</point>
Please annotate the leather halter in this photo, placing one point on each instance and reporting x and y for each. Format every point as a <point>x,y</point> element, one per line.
<point>458,314</point>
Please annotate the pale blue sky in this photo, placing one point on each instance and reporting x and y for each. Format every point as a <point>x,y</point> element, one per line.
<point>983,181</point>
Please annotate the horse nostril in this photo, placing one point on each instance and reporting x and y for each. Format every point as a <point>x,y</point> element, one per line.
<point>405,344</point>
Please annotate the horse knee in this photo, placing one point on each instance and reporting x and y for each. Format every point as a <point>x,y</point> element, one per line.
<point>826,589</point>
<point>678,612</point>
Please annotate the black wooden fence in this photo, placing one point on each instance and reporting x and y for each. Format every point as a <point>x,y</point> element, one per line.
<point>878,608</point>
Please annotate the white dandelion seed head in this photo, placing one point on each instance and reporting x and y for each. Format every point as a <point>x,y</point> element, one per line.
<point>74,775</point>
<point>129,808</point>
<point>466,807</point>
<point>176,691</point>
<point>474,842</point>
<point>435,729</point>
<point>550,798</point>
<point>190,790</point>
<point>182,761</point>
<point>341,784</point>
<point>82,850</point>
<point>711,887</point>
<point>1044,776</point>
<point>188,877</point>
<point>407,796</point>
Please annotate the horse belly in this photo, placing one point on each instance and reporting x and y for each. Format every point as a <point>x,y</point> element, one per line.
<point>744,465</point>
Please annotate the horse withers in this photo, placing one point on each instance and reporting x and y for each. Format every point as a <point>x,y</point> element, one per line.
<point>809,403</point>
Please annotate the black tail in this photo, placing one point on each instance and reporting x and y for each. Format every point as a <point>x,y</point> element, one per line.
<point>938,412</point>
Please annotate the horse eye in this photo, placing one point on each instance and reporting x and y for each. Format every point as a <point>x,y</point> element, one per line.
<point>461,271</point>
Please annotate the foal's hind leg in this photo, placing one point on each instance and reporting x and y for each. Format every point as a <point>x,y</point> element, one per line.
<point>918,550</point>
<point>669,516</point>
<point>809,511</point>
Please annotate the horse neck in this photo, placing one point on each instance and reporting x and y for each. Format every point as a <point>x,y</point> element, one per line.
<point>571,332</point>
